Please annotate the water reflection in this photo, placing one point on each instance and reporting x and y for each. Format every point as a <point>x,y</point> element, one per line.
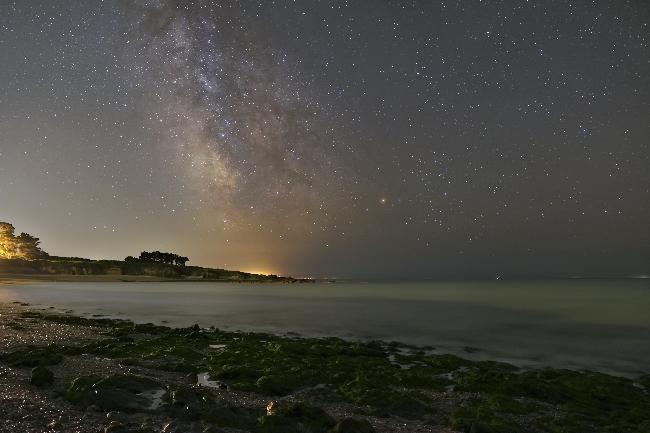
<point>600,325</point>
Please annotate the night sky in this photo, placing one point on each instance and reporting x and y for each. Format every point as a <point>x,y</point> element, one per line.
<point>367,139</point>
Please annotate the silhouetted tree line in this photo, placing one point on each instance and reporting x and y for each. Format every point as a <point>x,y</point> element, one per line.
<point>158,257</point>
<point>23,246</point>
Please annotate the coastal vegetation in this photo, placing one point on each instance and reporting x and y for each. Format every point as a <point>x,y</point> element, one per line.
<point>22,256</point>
<point>301,375</point>
<point>158,257</point>
<point>123,270</point>
<point>23,246</point>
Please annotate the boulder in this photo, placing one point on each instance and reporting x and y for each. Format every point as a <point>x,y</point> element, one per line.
<point>226,415</point>
<point>32,356</point>
<point>353,425</point>
<point>189,402</point>
<point>129,427</point>
<point>180,427</point>
<point>272,385</point>
<point>41,376</point>
<point>124,392</point>
<point>291,417</point>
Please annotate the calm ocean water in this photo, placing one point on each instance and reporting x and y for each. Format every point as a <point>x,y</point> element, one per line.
<point>594,324</point>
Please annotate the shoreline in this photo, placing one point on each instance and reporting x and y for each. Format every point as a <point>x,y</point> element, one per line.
<point>25,329</point>
<point>130,269</point>
<point>71,278</point>
<point>442,333</point>
<point>387,387</point>
<point>18,278</point>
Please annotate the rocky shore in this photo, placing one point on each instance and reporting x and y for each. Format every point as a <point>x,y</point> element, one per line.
<point>61,373</point>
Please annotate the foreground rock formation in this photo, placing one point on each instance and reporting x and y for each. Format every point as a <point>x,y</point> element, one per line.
<point>66,373</point>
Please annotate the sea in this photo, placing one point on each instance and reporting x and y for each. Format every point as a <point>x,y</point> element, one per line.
<point>601,325</point>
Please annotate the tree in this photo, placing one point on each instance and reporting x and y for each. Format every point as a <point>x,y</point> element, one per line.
<point>158,257</point>
<point>8,246</point>
<point>24,246</point>
<point>28,246</point>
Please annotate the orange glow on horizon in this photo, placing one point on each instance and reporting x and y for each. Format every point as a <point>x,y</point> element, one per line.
<point>261,272</point>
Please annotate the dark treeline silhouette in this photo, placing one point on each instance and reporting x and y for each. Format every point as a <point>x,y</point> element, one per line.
<point>158,257</point>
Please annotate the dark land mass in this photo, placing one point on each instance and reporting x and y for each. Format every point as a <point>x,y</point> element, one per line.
<point>71,374</point>
<point>74,268</point>
<point>21,257</point>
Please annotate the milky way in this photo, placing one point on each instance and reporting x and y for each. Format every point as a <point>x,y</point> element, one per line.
<point>236,113</point>
<point>403,139</point>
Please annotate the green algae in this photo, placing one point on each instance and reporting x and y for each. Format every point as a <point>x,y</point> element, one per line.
<point>380,379</point>
<point>71,320</point>
<point>291,417</point>
<point>33,356</point>
<point>353,425</point>
<point>580,401</point>
<point>114,392</point>
<point>80,387</point>
<point>41,376</point>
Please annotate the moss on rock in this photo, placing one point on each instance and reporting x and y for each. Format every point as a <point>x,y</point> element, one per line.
<point>289,417</point>
<point>33,356</point>
<point>116,392</point>
<point>379,379</point>
<point>41,376</point>
<point>353,425</point>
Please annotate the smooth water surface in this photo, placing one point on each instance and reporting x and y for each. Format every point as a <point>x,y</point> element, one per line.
<point>595,324</point>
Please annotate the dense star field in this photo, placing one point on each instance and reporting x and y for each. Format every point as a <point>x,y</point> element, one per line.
<point>332,138</point>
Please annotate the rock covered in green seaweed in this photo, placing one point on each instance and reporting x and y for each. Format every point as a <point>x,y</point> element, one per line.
<point>41,376</point>
<point>353,425</point>
<point>124,392</point>
<point>32,356</point>
<point>292,417</point>
<point>378,379</point>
